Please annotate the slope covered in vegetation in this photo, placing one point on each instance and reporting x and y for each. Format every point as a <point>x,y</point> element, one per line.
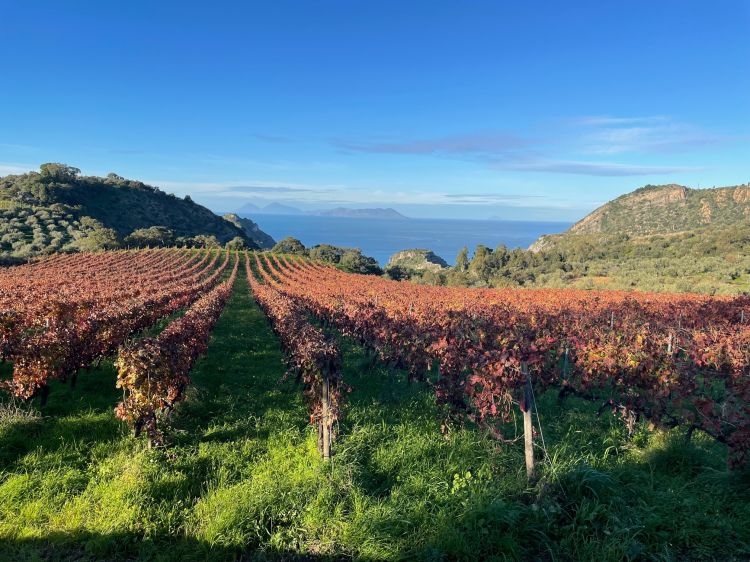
<point>657,238</point>
<point>57,209</point>
<point>658,209</point>
<point>252,230</point>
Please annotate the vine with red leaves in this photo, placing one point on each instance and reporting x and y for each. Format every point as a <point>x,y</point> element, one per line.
<point>64,313</point>
<point>311,354</point>
<point>154,372</point>
<point>672,359</point>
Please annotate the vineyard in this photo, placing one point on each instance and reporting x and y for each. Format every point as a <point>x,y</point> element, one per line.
<point>217,404</point>
<point>674,360</point>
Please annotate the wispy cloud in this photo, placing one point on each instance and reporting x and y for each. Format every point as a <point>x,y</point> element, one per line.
<point>574,146</point>
<point>17,147</point>
<point>273,138</point>
<point>645,135</point>
<point>609,120</point>
<point>504,196</point>
<point>275,189</point>
<point>320,196</point>
<point>589,168</point>
<point>488,143</point>
<point>249,186</point>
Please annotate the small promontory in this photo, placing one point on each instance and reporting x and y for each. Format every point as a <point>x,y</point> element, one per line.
<point>417,260</point>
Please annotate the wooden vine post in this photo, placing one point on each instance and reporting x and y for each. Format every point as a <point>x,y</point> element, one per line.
<point>528,426</point>
<point>325,417</point>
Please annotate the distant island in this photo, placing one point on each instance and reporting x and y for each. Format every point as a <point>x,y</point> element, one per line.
<point>390,214</point>
<point>281,209</point>
<point>270,209</point>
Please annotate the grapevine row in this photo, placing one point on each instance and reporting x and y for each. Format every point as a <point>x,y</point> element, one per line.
<point>51,338</point>
<point>313,355</point>
<point>154,372</point>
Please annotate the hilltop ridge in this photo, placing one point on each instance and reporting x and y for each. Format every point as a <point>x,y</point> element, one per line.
<point>659,209</point>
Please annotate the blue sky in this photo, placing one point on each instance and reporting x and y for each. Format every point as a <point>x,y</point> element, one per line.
<point>465,109</point>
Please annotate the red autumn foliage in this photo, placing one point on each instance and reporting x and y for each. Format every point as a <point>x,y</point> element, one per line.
<point>64,313</point>
<point>154,372</point>
<point>673,359</point>
<point>311,354</point>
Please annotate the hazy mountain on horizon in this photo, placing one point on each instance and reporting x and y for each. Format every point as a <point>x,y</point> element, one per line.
<point>270,209</point>
<point>275,208</point>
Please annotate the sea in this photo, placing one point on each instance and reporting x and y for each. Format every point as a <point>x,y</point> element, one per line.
<point>381,238</point>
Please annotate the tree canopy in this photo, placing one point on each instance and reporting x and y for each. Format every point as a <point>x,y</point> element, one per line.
<point>58,172</point>
<point>289,245</point>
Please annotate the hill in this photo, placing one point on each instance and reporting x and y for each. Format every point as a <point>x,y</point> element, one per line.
<point>667,237</point>
<point>658,209</point>
<point>414,264</point>
<point>656,238</point>
<point>252,230</point>
<point>57,209</point>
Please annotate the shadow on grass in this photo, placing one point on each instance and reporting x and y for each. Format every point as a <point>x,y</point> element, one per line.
<point>19,438</point>
<point>83,547</point>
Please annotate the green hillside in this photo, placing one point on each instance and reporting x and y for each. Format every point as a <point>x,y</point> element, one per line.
<point>658,209</point>
<point>57,209</point>
<point>656,238</point>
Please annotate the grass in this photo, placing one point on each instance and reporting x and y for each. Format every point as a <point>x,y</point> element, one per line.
<point>242,478</point>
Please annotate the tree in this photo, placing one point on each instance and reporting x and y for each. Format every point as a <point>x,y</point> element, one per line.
<point>153,236</point>
<point>236,243</point>
<point>40,193</point>
<point>208,241</point>
<point>326,253</point>
<point>289,245</point>
<point>429,277</point>
<point>58,172</point>
<point>89,223</point>
<point>478,264</point>
<point>97,236</point>
<point>354,262</point>
<point>462,259</point>
<point>98,239</point>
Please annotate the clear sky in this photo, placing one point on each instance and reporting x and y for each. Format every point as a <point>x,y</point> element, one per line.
<point>465,108</point>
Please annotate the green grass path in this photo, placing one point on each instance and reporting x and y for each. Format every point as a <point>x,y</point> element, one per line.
<point>242,478</point>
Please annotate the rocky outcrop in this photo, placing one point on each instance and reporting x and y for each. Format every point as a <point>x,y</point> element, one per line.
<point>417,260</point>
<point>252,230</point>
<point>667,209</point>
<point>661,209</point>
